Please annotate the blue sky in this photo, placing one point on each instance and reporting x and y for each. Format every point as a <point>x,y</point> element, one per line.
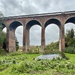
<point>25,7</point>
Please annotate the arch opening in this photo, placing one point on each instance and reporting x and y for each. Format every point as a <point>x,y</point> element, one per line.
<point>4,30</point>
<point>31,23</point>
<point>69,42</point>
<point>35,35</point>
<point>19,35</point>
<point>51,33</point>
<point>70,20</point>
<point>32,29</point>
<point>14,25</point>
<point>35,39</point>
<point>52,21</point>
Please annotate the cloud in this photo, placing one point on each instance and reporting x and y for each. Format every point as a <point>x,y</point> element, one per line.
<point>25,7</point>
<point>35,35</point>
<point>52,33</point>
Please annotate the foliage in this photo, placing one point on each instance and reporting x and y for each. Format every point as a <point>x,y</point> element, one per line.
<point>3,42</point>
<point>53,45</point>
<point>52,48</point>
<point>23,64</point>
<point>17,44</point>
<point>70,50</point>
<point>2,52</point>
<point>1,21</point>
<point>70,42</point>
<point>69,38</point>
<point>42,65</point>
<point>34,49</point>
<point>2,39</point>
<point>1,15</point>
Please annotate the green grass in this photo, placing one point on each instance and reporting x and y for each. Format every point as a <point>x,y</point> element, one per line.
<point>24,64</point>
<point>71,57</point>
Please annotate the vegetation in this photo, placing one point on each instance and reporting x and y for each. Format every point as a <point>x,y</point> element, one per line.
<point>24,64</point>
<point>52,48</point>
<point>2,39</point>
<point>70,42</point>
<point>17,45</point>
<point>35,49</point>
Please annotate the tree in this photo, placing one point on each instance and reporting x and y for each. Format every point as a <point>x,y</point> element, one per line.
<point>70,38</point>
<point>1,21</point>
<point>17,45</point>
<point>2,39</point>
<point>70,42</point>
<point>1,15</point>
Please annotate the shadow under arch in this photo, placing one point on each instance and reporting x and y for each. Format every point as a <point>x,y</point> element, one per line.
<point>31,23</point>
<point>52,21</point>
<point>14,25</point>
<point>70,20</point>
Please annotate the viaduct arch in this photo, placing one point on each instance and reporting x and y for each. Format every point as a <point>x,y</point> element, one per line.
<point>43,20</point>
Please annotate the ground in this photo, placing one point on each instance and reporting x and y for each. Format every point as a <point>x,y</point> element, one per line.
<point>24,64</point>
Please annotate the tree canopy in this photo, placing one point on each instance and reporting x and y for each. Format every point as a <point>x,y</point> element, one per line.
<point>70,38</point>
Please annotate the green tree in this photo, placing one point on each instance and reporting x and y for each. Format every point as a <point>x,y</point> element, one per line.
<point>1,21</point>
<point>70,38</point>
<point>17,45</point>
<point>2,39</point>
<point>70,42</point>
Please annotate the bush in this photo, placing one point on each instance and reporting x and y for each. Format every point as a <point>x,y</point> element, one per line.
<point>3,67</point>
<point>34,49</point>
<point>69,50</point>
<point>52,48</point>
<point>14,61</point>
<point>53,51</point>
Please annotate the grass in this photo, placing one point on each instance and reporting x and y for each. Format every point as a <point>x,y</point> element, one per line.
<point>24,64</point>
<point>71,57</point>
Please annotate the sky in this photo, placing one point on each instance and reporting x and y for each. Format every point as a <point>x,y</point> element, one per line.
<point>27,7</point>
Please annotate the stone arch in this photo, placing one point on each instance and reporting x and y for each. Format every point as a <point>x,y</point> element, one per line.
<point>31,23</point>
<point>14,25</point>
<point>69,24</point>
<point>70,20</point>
<point>56,22</point>
<point>27,33</point>
<point>52,21</point>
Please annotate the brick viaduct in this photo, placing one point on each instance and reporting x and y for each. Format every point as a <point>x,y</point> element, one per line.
<point>43,20</point>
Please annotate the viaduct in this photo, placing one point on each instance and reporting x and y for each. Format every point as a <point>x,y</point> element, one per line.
<point>43,20</point>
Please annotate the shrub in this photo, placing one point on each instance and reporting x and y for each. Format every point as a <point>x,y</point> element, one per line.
<point>70,65</point>
<point>70,50</point>
<point>14,61</point>
<point>3,67</point>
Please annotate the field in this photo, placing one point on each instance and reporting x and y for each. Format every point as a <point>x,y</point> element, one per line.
<point>24,64</point>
